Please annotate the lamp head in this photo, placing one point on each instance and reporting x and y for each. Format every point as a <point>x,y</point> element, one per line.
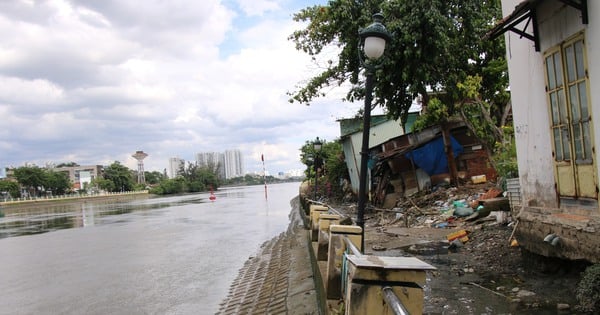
<point>317,144</point>
<point>374,37</point>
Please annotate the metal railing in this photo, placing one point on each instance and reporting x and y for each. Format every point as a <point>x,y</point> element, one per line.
<point>390,297</point>
<point>351,247</point>
<point>331,209</point>
<point>392,300</point>
<point>11,200</point>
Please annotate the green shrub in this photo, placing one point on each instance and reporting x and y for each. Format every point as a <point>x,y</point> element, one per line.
<point>588,290</point>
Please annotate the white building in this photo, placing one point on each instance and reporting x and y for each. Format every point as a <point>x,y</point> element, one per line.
<point>234,165</point>
<point>212,160</point>
<point>552,48</point>
<point>175,164</point>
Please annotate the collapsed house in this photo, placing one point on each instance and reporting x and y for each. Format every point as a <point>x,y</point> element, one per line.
<point>402,164</point>
<point>382,129</point>
<point>418,162</point>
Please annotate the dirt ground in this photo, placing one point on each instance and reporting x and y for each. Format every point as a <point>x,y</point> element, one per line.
<point>486,274</point>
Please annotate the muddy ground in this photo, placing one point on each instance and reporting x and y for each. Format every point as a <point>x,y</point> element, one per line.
<point>484,274</point>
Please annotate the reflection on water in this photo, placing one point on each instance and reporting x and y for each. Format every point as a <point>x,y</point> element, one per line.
<point>232,192</point>
<point>24,220</point>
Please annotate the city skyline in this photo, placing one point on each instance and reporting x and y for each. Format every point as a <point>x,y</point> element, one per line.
<point>169,168</point>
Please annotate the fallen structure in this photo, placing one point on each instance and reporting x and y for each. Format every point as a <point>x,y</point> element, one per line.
<point>417,162</point>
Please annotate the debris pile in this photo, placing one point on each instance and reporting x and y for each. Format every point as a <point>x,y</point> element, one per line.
<point>474,225</point>
<point>449,207</point>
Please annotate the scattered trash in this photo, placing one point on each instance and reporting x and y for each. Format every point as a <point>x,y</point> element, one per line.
<point>455,244</point>
<point>524,293</point>
<point>461,235</point>
<point>563,306</point>
<point>442,225</point>
<point>378,248</point>
<point>478,179</point>
<point>484,288</point>
<point>463,211</point>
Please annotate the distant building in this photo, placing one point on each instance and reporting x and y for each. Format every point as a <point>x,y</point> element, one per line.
<point>234,166</point>
<point>226,165</point>
<point>81,176</point>
<point>212,160</point>
<point>175,164</point>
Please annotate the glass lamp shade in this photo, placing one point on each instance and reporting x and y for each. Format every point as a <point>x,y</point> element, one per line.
<point>374,47</point>
<point>317,144</point>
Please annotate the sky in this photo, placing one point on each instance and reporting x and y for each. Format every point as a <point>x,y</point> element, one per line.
<point>92,82</point>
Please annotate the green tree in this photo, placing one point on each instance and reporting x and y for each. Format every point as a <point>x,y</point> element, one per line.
<point>104,184</point>
<point>189,172</point>
<point>31,177</point>
<point>120,175</point>
<point>191,178</point>
<point>57,182</point>
<point>436,47</point>
<point>208,177</point>
<point>10,187</point>
<point>170,186</point>
<point>497,137</point>
<point>201,179</point>
<point>333,169</point>
<point>154,177</point>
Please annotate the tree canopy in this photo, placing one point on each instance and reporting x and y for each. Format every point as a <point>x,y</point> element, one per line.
<point>332,166</point>
<point>9,189</point>
<point>38,180</point>
<point>120,175</point>
<point>436,45</point>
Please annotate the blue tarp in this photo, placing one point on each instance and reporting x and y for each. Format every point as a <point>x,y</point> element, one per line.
<point>432,158</point>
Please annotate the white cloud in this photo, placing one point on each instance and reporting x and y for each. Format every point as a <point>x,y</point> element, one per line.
<point>31,93</point>
<point>94,81</point>
<point>257,7</point>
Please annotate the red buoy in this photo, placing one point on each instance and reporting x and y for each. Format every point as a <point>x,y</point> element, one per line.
<point>212,195</point>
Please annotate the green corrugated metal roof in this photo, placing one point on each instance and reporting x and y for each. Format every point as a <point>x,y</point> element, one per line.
<point>349,126</point>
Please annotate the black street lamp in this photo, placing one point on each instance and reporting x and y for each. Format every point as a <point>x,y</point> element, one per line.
<point>373,39</point>
<point>317,144</point>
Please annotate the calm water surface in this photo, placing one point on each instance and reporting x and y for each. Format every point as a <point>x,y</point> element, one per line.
<point>172,255</point>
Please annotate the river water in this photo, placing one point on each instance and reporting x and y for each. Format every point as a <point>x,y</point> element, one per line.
<point>167,255</point>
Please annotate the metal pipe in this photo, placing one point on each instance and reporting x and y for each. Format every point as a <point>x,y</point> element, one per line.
<point>549,238</point>
<point>392,300</point>
<point>352,248</point>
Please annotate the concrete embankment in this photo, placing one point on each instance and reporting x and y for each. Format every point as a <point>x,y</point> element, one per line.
<point>40,202</point>
<point>279,280</point>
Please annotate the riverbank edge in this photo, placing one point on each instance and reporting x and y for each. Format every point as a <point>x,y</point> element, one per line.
<point>286,256</point>
<point>46,201</point>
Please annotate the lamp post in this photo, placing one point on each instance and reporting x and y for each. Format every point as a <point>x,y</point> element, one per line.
<point>373,39</point>
<point>310,162</point>
<point>317,144</point>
